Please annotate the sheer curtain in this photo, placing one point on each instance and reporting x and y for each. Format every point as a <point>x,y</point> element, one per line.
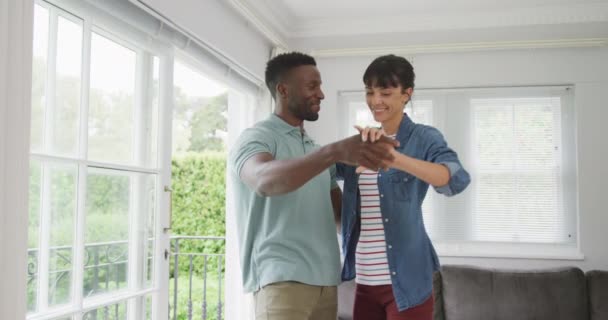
<point>244,110</point>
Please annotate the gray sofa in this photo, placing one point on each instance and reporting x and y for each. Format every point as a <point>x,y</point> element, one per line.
<point>470,293</point>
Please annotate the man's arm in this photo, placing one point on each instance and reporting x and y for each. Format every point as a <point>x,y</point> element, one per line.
<point>270,177</point>
<point>336,202</point>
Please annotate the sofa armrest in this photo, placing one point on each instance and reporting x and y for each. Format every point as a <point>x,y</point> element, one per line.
<point>438,296</point>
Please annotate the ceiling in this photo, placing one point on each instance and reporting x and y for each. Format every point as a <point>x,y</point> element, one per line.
<point>352,9</point>
<point>320,25</point>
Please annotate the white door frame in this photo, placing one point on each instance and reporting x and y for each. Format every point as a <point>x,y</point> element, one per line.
<point>16,28</point>
<point>160,303</point>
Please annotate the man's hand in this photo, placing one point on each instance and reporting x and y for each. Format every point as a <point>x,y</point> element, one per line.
<point>371,134</point>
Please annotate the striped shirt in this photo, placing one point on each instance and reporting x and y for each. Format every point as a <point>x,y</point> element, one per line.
<point>371,263</point>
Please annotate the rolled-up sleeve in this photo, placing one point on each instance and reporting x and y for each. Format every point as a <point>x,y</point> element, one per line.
<point>251,142</point>
<point>437,151</point>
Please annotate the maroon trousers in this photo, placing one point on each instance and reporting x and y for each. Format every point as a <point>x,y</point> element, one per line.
<point>378,303</point>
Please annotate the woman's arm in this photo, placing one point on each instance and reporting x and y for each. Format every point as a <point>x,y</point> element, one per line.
<point>434,174</point>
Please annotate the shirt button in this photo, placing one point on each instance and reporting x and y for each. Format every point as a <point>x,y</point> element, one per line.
<point>390,247</point>
<point>381,196</point>
<point>379,175</point>
<point>394,273</point>
<point>386,220</point>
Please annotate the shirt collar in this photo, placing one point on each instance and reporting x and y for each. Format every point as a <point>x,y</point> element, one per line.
<point>281,125</point>
<point>405,128</point>
<point>286,128</point>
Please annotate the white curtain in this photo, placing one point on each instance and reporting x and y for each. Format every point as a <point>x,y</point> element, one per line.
<point>244,110</point>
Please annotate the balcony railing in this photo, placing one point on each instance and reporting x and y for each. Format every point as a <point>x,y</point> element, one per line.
<point>196,276</point>
<point>105,269</point>
<point>198,280</point>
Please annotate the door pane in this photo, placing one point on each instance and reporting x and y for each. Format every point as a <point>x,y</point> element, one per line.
<point>35,197</point>
<point>113,312</point>
<point>65,117</point>
<point>151,116</point>
<point>146,115</point>
<point>62,204</point>
<point>114,199</point>
<point>107,231</point>
<point>51,225</point>
<point>148,307</point>
<point>39,74</point>
<point>111,101</point>
<point>148,192</point>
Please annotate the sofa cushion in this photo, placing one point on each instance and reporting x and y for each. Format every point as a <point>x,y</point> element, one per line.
<point>597,284</point>
<point>480,294</point>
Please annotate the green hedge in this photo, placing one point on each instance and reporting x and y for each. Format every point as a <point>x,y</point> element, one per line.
<point>199,209</point>
<point>199,202</point>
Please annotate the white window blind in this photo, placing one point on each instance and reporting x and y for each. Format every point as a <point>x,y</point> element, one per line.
<point>518,146</point>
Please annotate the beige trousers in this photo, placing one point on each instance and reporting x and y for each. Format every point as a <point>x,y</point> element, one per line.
<point>296,301</point>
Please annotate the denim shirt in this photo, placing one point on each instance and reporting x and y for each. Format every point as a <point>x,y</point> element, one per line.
<point>410,253</point>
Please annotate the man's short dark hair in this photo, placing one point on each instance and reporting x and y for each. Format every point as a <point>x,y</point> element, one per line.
<point>277,67</point>
<point>389,71</point>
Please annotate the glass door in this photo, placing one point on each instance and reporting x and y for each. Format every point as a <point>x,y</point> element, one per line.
<point>100,175</point>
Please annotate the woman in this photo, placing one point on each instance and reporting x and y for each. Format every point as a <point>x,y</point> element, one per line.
<point>386,247</point>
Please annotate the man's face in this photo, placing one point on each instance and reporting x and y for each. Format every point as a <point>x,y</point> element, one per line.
<point>304,92</point>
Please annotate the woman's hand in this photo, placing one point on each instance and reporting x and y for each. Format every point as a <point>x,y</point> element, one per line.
<point>370,134</point>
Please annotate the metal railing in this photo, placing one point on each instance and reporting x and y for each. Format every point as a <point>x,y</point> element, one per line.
<point>105,265</point>
<point>197,266</point>
<point>203,259</point>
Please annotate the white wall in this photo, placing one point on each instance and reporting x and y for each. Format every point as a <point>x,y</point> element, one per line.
<point>215,23</point>
<point>15,87</point>
<point>586,68</point>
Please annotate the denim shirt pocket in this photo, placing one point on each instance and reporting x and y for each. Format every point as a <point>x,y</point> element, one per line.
<point>401,184</point>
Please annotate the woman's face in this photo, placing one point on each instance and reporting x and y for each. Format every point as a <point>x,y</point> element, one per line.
<point>387,103</point>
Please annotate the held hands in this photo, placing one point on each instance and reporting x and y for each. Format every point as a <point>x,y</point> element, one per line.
<point>370,134</point>
<point>362,152</point>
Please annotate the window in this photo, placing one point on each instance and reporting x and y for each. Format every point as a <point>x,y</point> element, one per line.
<point>518,146</point>
<point>95,171</point>
<point>102,97</point>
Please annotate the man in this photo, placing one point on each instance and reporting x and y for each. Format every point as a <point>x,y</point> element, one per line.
<point>288,244</point>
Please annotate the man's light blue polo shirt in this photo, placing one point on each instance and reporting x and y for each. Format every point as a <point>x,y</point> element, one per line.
<point>291,237</point>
